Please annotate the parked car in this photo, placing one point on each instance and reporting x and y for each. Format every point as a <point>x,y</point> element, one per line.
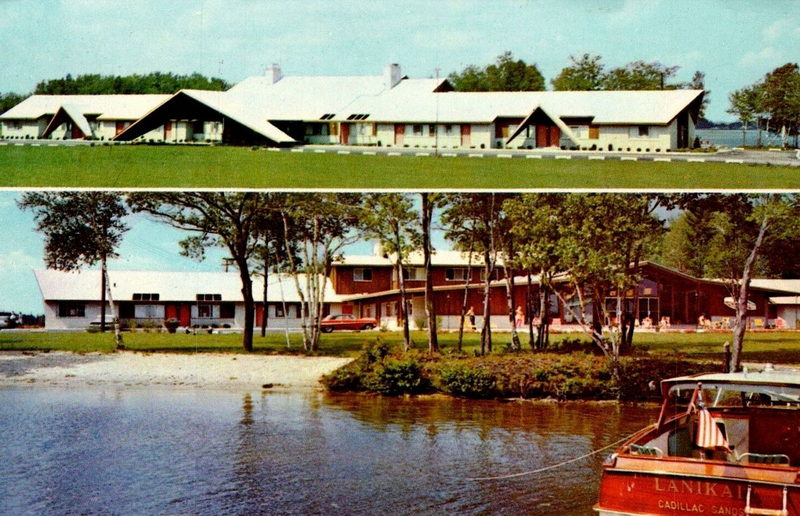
<point>8,320</point>
<point>346,322</point>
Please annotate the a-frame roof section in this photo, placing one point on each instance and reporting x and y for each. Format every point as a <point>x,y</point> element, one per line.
<point>66,113</point>
<point>536,116</point>
<point>208,105</point>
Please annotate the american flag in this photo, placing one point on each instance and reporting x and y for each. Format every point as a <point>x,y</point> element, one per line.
<point>709,435</point>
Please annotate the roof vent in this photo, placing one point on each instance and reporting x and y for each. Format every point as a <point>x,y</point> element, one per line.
<point>273,73</point>
<point>391,75</point>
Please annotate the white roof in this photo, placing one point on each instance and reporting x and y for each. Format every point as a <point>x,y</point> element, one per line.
<point>412,104</point>
<point>238,109</point>
<point>785,300</point>
<point>170,286</point>
<point>108,107</point>
<point>438,258</point>
<point>786,285</point>
<point>303,97</point>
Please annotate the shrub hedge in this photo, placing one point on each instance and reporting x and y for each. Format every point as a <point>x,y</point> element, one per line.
<point>562,376</point>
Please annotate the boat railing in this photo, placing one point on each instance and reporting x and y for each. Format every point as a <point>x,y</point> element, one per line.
<point>764,458</point>
<point>652,451</point>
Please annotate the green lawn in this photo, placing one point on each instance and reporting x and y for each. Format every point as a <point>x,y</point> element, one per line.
<point>242,167</point>
<point>776,347</point>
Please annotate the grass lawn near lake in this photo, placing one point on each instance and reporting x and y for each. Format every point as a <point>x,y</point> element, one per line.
<point>773,346</point>
<point>145,166</point>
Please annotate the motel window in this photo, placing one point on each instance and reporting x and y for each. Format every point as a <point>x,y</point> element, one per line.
<point>494,276</point>
<point>361,274</point>
<point>126,311</point>
<point>279,311</point>
<point>456,274</point>
<point>417,129</point>
<point>71,309</point>
<point>414,274</point>
<point>205,311</point>
<point>14,124</point>
<point>149,311</point>
<point>644,130</point>
<point>448,129</point>
<point>431,130</point>
<point>198,127</point>
<point>145,296</point>
<point>209,297</point>
<point>227,311</point>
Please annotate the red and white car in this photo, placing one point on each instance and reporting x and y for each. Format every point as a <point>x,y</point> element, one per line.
<point>346,322</point>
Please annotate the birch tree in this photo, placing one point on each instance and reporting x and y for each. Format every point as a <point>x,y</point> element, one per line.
<point>81,229</point>
<point>391,219</point>
<point>741,227</point>
<point>319,225</point>
<point>471,222</point>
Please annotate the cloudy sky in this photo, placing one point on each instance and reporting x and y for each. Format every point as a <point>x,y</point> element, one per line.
<point>734,42</point>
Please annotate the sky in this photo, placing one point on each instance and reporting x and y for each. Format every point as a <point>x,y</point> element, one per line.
<point>734,42</point>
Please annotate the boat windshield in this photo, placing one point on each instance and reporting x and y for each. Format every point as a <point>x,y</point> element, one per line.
<point>766,388</point>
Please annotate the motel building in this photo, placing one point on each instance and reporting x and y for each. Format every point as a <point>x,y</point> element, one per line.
<point>367,286</point>
<point>386,110</point>
<point>143,299</point>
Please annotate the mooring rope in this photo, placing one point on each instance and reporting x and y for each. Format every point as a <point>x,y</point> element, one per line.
<point>553,466</point>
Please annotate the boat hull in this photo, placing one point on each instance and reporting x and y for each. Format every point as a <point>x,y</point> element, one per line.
<point>658,492</point>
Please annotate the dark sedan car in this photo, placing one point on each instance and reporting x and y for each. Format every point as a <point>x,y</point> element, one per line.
<point>346,322</point>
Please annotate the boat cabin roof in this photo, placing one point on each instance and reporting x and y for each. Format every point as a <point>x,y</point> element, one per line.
<point>781,384</point>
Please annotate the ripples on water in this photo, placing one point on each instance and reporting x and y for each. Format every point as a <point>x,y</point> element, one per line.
<point>156,451</point>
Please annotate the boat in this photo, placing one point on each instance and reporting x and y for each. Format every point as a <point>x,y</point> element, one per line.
<point>724,444</point>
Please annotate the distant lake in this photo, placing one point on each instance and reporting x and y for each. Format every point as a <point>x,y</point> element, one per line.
<point>733,137</point>
<point>171,451</point>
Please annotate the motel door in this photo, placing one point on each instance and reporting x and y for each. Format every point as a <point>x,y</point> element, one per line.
<point>344,134</point>
<point>547,135</point>
<point>77,134</point>
<point>185,315</point>
<point>168,131</point>
<point>399,133</point>
<point>466,132</point>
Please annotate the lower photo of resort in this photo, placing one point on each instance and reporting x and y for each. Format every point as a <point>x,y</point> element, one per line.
<point>585,346</point>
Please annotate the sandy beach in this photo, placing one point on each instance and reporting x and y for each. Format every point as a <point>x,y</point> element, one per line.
<point>190,370</point>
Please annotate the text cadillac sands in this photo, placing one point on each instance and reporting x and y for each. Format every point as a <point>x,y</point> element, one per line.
<point>724,444</point>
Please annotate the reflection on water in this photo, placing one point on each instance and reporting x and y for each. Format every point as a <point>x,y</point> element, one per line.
<point>102,450</point>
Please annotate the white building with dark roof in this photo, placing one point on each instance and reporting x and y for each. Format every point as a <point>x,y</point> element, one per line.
<point>387,110</point>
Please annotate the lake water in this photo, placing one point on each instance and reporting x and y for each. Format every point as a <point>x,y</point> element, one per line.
<point>168,451</point>
<point>733,137</point>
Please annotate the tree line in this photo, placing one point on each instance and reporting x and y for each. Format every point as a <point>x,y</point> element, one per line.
<point>587,244</point>
<point>96,84</point>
